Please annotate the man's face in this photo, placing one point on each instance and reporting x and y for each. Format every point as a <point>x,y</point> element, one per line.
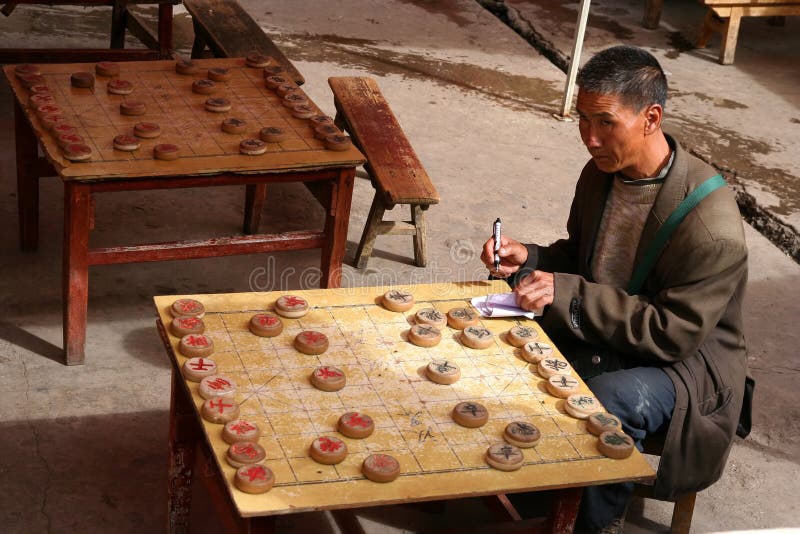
<point>613,133</point>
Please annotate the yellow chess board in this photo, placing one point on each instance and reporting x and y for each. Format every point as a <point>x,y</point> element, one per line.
<point>386,380</point>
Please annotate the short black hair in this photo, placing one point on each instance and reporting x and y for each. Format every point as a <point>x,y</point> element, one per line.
<point>627,71</point>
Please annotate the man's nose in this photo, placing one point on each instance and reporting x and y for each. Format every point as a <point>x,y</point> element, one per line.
<point>590,139</point>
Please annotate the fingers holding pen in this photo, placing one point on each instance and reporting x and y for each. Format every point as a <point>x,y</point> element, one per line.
<point>512,253</point>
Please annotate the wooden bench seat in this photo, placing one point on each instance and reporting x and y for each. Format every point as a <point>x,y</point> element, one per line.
<point>396,172</point>
<point>229,31</point>
<point>724,17</point>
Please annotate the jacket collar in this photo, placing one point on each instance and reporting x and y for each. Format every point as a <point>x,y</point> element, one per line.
<point>671,194</point>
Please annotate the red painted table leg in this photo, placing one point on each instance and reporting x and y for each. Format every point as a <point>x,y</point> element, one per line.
<point>183,435</point>
<point>336,222</point>
<point>27,181</point>
<point>253,206</point>
<point>564,510</point>
<point>75,270</point>
<point>165,31</point>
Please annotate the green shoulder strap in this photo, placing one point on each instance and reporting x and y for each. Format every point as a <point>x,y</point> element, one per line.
<point>669,226</point>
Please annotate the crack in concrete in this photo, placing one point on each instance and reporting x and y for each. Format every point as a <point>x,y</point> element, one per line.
<point>783,235</point>
<point>42,459</point>
<point>514,20</point>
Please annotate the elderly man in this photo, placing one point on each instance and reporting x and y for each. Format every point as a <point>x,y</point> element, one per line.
<point>661,347</point>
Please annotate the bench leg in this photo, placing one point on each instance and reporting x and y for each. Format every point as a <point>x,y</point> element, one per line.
<point>371,230</point>
<point>119,21</point>
<point>199,44</point>
<point>682,514</point>
<point>730,34</point>
<point>420,236</point>
<point>710,22</point>
<point>652,13</point>
<point>254,196</point>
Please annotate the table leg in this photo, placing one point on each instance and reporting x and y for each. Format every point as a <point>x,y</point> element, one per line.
<point>27,181</point>
<point>254,195</point>
<point>183,434</point>
<point>564,510</point>
<point>336,222</point>
<point>165,31</point>
<point>75,271</point>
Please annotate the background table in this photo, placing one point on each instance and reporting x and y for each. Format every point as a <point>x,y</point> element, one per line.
<point>159,44</point>
<point>439,459</point>
<point>209,157</point>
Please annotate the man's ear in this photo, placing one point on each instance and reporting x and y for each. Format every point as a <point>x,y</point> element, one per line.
<point>652,118</point>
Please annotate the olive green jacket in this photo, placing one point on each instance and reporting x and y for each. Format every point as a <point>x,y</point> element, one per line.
<point>687,318</point>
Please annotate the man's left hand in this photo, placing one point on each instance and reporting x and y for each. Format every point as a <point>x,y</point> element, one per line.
<point>535,291</point>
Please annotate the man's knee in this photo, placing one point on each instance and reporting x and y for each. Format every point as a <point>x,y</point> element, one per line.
<point>643,398</point>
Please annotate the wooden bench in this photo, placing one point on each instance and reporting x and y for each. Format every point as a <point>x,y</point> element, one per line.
<point>229,31</point>
<point>393,166</point>
<point>724,17</point>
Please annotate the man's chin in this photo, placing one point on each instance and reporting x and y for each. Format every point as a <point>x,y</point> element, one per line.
<point>605,164</point>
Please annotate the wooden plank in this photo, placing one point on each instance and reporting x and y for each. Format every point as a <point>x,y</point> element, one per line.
<point>231,32</point>
<point>394,166</point>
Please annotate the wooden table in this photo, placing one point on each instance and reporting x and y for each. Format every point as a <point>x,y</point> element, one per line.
<point>439,459</point>
<point>159,44</point>
<point>209,157</point>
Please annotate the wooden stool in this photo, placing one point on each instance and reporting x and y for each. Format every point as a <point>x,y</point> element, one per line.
<point>684,505</point>
<point>393,166</point>
<point>725,16</point>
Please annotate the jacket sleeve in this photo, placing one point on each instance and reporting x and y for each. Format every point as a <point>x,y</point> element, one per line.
<point>696,286</point>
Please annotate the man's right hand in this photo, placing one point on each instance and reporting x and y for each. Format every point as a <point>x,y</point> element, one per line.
<point>513,255</point>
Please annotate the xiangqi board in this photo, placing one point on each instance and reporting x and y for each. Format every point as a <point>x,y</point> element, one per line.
<point>183,117</point>
<point>386,380</point>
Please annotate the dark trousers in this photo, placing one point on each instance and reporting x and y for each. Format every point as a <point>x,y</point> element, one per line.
<point>643,398</point>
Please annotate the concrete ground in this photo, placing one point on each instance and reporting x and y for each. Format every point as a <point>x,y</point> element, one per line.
<point>83,449</point>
